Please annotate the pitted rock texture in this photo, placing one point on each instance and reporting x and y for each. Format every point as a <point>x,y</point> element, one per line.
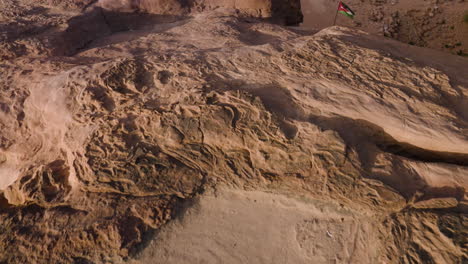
<point>101,149</point>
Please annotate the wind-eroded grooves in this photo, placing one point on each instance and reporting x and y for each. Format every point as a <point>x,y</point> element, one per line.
<point>351,129</point>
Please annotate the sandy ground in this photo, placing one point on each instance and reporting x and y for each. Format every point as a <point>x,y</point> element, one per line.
<point>256,227</point>
<point>120,130</point>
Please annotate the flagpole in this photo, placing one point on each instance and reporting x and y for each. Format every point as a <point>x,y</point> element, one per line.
<point>336,15</point>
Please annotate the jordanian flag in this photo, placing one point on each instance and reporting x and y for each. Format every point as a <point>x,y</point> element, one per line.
<point>345,10</point>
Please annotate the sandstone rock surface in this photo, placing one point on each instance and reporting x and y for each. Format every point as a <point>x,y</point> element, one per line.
<point>115,149</point>
<point>435,24</point>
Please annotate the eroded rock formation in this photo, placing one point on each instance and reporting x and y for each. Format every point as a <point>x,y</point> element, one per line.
<point>101,149</point>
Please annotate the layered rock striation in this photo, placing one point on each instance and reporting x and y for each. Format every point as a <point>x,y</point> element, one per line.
<point>102,148</point>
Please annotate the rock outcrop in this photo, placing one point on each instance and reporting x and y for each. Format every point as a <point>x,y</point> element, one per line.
<point>286,11</point>
<point>101,149</point>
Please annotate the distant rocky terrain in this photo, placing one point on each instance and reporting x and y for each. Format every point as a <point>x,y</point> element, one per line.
<point>219,132</point>
<point>436,24</point>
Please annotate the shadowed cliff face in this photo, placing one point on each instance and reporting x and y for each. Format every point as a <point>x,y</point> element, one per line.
<point>345,145</point>
<point>284,11</point>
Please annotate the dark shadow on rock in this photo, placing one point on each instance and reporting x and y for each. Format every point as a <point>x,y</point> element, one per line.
<point>37,10</point>
<point>355,132</point>
<point>443,192</point>
<point>10,32</point>
<point>287,12</point>
<point>181,207</point>
<point>98,23</point>
<point>366,138</point>
<point>252,37</point>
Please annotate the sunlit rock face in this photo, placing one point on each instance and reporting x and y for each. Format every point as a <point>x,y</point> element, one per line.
<point>206,134</point>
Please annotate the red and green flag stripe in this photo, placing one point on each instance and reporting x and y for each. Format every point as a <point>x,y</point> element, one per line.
<point>345,10</point>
